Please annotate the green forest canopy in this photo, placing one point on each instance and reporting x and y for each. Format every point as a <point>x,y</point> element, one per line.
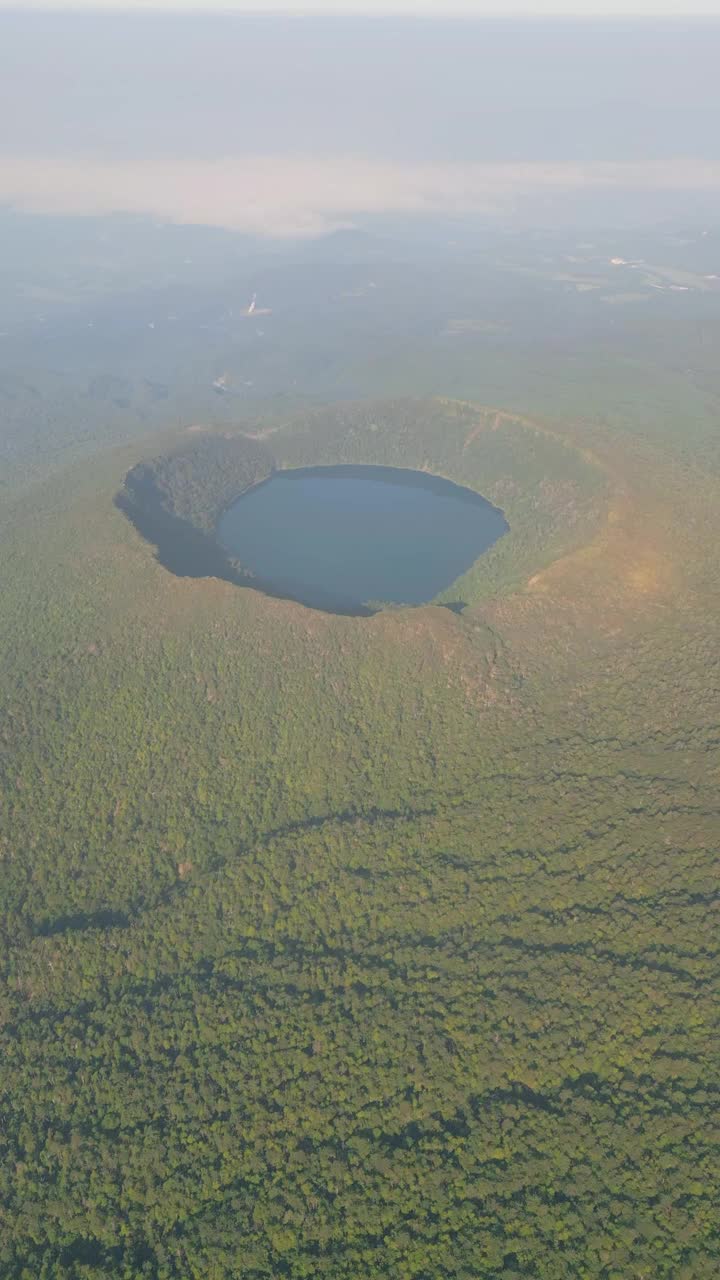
<point>341,947</point>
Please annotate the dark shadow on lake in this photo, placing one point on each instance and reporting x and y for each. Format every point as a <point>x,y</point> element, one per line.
<point>344,539</point>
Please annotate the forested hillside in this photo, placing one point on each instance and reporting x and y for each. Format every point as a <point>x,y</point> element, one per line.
<point>364,946</point>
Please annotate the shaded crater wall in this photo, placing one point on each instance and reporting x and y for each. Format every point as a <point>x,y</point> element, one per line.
<point>174,502</point>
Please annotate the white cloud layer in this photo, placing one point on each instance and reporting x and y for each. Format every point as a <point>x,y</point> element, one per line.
<point>277,196</point>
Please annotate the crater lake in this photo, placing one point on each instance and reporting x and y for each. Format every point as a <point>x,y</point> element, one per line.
<point>346,538</point>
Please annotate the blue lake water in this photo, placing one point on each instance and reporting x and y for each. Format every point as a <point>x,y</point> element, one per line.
<point>338,538</point>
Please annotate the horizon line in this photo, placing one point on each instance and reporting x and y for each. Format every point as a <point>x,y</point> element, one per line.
<point>228,10</point>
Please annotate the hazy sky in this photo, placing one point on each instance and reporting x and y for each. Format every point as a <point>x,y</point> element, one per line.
<point>440,8</point>
<point>287,124</point>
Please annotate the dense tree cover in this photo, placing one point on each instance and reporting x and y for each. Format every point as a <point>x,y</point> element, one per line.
<point>175,500</point>
<point>340,947</point>
<point>195,484</point>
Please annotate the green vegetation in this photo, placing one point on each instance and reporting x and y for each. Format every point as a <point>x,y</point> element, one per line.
<point>175,500</point>
<point>554,496</point>
<point>364,947</point>
<point>195,484</point>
